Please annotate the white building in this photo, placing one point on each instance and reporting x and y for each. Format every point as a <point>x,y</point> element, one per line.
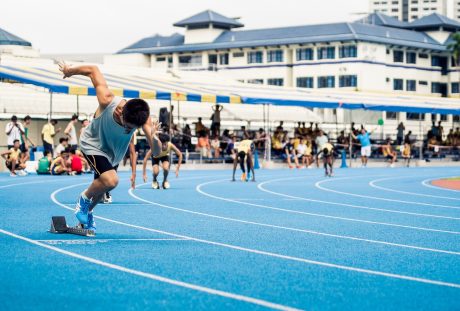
<point>408,10</point>
<point>457,10</point>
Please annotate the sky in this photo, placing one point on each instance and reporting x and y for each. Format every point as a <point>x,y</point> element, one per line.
<point>106,26</point>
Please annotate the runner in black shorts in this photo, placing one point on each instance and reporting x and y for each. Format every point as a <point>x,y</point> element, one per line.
<point>163,157</point>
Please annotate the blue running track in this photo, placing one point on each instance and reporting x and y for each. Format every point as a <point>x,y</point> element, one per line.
<point>366,239</point>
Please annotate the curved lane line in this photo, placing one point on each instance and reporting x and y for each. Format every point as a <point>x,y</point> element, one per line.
<point>265,253</point>
<point>427,183</point>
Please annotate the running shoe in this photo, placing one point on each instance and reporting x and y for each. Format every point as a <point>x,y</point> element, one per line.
<point>166,185</point>
<point>91,225</point>
<point>13,175</point>
<point>82,209</point>
<point>107,199</point>
<point>243,177</point>
<point>155,185</point>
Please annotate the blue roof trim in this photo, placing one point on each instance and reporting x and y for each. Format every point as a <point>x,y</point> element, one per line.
<point>7,38</point>
<point>434,20</point>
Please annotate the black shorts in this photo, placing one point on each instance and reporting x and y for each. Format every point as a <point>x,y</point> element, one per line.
<point>99,164</point>
<point>156,161</point>
<point>23,148</point>
<point>241,154</point>
<point>9,165</point>
<point>389,156</point>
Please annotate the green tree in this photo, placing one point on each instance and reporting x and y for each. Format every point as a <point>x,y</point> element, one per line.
<point>454,47</point>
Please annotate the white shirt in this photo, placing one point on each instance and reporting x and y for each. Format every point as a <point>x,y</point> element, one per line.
<point>15,132</point>
<point>301,149</point>
<point>57,151</point>
<point>321,141</point>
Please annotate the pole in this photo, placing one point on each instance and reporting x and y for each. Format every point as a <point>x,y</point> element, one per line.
<point>269,147</point>
<point>78,105</point>
<point>420,155</point>
<point>51,105</point>
<point>178,114</point>
<point>350,147</point>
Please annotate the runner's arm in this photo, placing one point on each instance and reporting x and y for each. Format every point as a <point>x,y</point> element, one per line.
<point>179,155</point>
<point>103,94</point>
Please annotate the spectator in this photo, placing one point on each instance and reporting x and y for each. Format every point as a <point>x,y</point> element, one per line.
<point>440,132</point>
<point>343,142</point>
<point>61,164</point>
<point>308,156</point>
<point>300,151</point>
<point>231,146</point>
<point>407,139</point>
<point>389,153</point>
<point>24,149</point>
<point>71,132</point>
<point>400,134</point>
<point>277,142</point>
<point>63,144</point>
<point>406,153</point>
<point>13,160</point>
<point>203,145</point>
<point>187,137</point>
<point>365,141</point>
<point>76,165</point>
<point>320,141</point>
<point>280,128</point>
<point>215,120</point>
<point>48,133</point>
<point>43,166</point>
<point>289,153</point>
<point>215,145</point>
<point>84,125</point>
<point>165,118</point>
<point>260,138</point>
<point>199,127</point>
<point>14,131</point>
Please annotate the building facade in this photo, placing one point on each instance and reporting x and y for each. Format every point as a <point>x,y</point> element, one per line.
<point>457,10</point>
<point>408,10</point>
<point>376,54</point>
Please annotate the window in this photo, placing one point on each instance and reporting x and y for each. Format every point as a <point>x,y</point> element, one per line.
<point>455,87</point>
<point>326,82</point>
<point>414,9</point>
<point>394,10</point>
<point>444,117</point>
<point>223,59</point>
<point>238,54</point>
<point>190,60</point>
<point>275,81</point>
<point>275,56</point>
<point>435,61</point>
<point>326,52</point>
<point>255,57</point>
<point>456,118</point>
<point>435,87</point>
<point>398,56</point>
<point>348,51</point>
<point>411,85</point>
<point>411,57</point>
<point>348,81</point>
<point>390,115</point>
<point>423,55</point>
<point>433,117</point>
<point>415,116</point>
<point>256,81</point>
<point>304,54</point>
<point>306,82</point>
<point>422,82</point>
<point>161,59</point>
<point>398,84</point>
<point>212,59</point>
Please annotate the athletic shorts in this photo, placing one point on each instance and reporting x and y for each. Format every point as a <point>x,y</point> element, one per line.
<point>389,157</point>
<point>156,161</point>
<point>53,171</point>
<point>241,154</point>
<point>366,151</point>
<point>23,149</point>
<point>99,164</point>
<point>9,165</point>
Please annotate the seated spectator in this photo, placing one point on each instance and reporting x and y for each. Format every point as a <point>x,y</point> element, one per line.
<point>13,160</point>
<point>260,139</point>
<point>61,164</point>
<point>63,144</point>
<point>389,153</point>
<point>231,146</point>
<point>215,145</point>
<point>343,142</point>
<point>277,143</point>
<point>76,164</point>
<point>289,153</point>
<point>300,151</point>
<point>406,153</point>
<point>308,154</point>
<point>433,145</point>
<point>203,146</point>
<point>199,127</point>
<point>407,139</point>
<point>43,166</point>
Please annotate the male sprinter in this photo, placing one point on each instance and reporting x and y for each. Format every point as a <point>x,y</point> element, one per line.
<point>105,141</point>
<point>163,157</point>
<point>241,153</point>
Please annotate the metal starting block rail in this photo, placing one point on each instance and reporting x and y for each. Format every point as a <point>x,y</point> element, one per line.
<point>59,225</point>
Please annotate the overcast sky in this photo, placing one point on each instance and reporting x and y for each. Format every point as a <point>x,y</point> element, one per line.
<point>106,26</point>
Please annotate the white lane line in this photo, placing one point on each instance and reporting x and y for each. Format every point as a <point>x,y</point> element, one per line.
<point>319,183</point>
<point>375,181</point>
<point>269,254</point>
<point>29,183</point>
<point>427,183</point>
<point>155,277</point>
<point>91,241</point>
<point>260,186</point>
<point>315,214</point>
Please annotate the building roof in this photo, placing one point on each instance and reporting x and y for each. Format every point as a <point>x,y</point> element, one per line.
<point>209,17</point>
<point>7,38</point>
<point>434,20</point>
<point>381,19</point>
<point>291,35</point>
